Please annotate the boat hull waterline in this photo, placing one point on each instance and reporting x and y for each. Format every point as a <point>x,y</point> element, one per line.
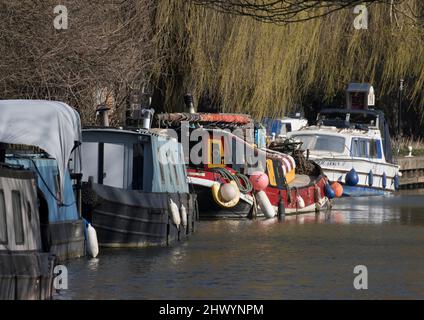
<point>336,170</point>
<point>305,187</point>
<point>134,219</point>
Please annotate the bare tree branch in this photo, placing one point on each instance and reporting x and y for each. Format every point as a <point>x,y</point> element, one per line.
<point>284,11</point>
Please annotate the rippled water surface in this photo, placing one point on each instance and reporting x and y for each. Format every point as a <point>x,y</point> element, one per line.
<point>310,256</point>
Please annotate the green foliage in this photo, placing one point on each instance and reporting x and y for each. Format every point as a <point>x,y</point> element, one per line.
<point>262,68</point>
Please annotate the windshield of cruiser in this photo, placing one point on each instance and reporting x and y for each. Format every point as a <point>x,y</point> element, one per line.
<point>321,142</point>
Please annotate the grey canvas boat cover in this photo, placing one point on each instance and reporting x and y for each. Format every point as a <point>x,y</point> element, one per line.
<point>52,126</point>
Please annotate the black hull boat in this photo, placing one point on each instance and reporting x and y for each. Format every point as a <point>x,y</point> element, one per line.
<point>129,218</point>
<point>18,282</point>
<point>209,209</point>
<point>26,272</point>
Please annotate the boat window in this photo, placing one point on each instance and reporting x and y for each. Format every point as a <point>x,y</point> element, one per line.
<point>281,179</point>
<point>216,153</point>
<point>174,164</point>
<point>359,148</point>
<point>3,221</point>
<point>322,142</point>
<point>29,211</point>
<point>170,164</point>
<point>161,168</point>
<point>56,186</point>
<point>288,127</point>
<point>365,148</point>
<point>138,167</point>
<point>375,149</point>
<point>238,155</point>
<point>113,168</point>
<point>270,172</point>
<point>17,217</point>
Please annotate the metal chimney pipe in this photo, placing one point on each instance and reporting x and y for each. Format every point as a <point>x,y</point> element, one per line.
<point>188,100</point>
<point>147,117</point>
<point>103,113</point>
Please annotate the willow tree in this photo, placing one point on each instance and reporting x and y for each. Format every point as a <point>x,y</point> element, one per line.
<point>245,65</point>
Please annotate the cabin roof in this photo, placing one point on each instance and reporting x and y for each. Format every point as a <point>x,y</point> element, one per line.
<point>50,125</point>
<point>129,132</point>
<point>373,112</point>
<point>334,131</point>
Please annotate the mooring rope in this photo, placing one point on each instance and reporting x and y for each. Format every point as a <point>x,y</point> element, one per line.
<point>245,187</point>
<point>59,201</point>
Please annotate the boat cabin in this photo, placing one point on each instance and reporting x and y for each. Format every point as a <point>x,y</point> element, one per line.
<point>26,271</point>
<point>19,221</point>
<point>281,127</point>
<point>225,149</point>
<point>133,160</point>
<point>40,136</point>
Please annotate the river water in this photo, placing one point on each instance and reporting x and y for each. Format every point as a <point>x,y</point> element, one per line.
<point>310,256</point>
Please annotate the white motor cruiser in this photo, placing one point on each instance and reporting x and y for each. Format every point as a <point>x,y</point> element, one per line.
<point>352,145</point>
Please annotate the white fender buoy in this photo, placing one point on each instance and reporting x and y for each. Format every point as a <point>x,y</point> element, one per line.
<point>300,202</point>
<point>265,204</point>
<point>175,213</point>
<point>92,243</point>
<point>183,212</point>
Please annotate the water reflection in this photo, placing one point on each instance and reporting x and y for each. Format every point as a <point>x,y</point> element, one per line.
<point>302,256</point>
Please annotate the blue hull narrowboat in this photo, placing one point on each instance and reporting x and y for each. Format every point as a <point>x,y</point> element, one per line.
<point>43,136</point>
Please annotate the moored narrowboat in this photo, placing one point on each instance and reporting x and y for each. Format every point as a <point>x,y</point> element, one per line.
<point>26,269</point>
<point>352,145</point>
<point>135,187</point>
<point>46,149</point>
<point>225,152</point>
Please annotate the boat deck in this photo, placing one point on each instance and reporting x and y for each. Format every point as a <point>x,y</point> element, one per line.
<point>300,180</point>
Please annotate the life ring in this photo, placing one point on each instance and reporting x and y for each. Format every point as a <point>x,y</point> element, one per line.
<point>218,199</point>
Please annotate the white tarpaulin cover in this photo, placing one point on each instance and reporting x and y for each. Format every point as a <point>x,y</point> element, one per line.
<point>50,125</point>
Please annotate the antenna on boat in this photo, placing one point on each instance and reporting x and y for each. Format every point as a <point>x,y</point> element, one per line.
<point>103,113</point>
<point>188,100</point>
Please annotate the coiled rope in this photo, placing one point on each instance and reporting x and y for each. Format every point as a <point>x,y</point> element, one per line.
<point>245,187</point>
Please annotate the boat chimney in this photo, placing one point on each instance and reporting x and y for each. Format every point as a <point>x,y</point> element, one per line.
<point>103,113</point>
<point>188,100</point>
<point>147,116</point>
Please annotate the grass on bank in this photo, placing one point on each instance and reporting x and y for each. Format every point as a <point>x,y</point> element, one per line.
<point>403,144</point>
